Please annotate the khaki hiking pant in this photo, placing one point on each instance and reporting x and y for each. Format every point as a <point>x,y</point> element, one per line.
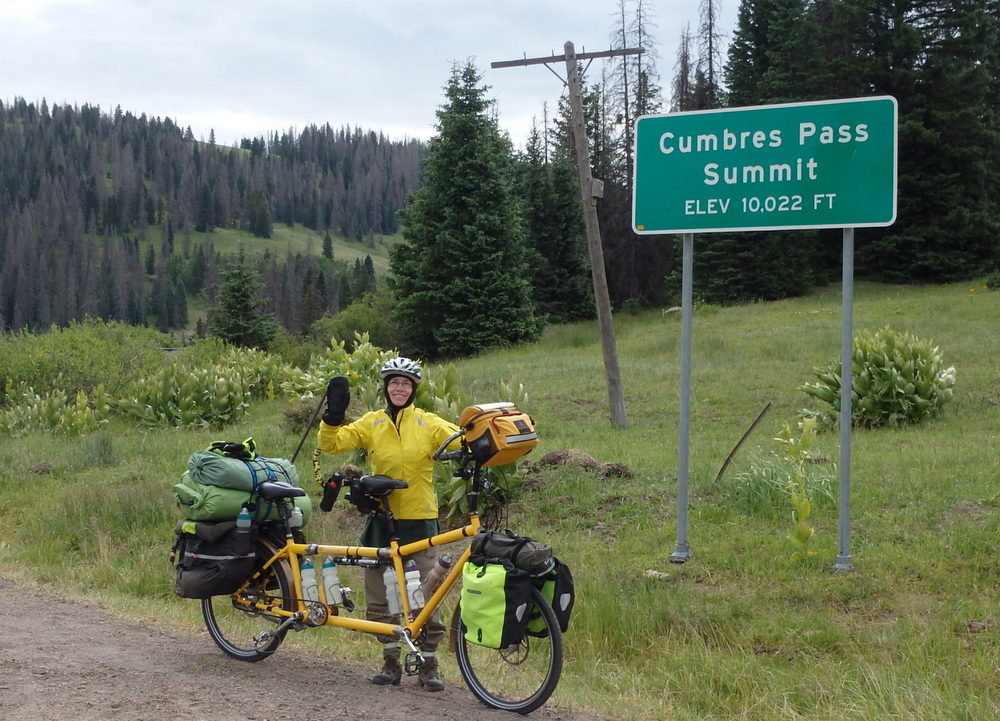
<point>377,608</point>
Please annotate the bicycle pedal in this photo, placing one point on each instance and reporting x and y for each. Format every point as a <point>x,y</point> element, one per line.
<point>412,663</point>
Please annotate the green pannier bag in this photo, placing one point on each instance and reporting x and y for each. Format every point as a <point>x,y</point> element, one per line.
<point>200,502</point>
<point>556,587</point>
<point>495,600</point>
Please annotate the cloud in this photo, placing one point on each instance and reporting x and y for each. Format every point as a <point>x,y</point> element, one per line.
<point>248,68</point>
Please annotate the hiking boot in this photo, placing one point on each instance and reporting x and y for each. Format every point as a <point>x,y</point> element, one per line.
<point>428,675</point>
<point>391,671</point>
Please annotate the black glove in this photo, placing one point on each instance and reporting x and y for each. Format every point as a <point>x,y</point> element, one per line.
<point>338,397</point>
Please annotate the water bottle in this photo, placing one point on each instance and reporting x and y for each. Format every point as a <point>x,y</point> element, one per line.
<point>243,521</point>
<point>413,592</point>
<point>391,590</point>
<point>436,575</point>
<point>310,588</point>
<point>295,519</point>
<point>331,582</point>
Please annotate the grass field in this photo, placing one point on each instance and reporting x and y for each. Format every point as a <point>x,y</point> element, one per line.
<point>737,632</point>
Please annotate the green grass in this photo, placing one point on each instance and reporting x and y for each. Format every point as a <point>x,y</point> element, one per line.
<point>286,240</point>
<point>299,239</point>
<point>738,632</point>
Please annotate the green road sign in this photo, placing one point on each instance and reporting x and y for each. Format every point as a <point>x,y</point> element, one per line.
<point>829,164</point>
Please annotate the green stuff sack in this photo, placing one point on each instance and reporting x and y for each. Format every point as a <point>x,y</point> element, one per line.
<point>199,502</point>
<point>495,601</point>
<point>556,587</point>
<point>212,469</point>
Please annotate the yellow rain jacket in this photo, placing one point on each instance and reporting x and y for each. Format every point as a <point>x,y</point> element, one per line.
<point>403,450</point>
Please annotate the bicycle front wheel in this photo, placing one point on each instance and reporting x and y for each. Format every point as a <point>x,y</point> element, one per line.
<point>517,678</point>
<point>242,631</point>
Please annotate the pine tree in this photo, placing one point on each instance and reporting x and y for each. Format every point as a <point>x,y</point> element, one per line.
<point>311,308</point>
<point>770,55</point>
<point>684,79</point>
<point>940,62</point>
<point>708,73</point>
<point>239,318</point>
<point>550,197</point>
<point>460,274</point>
<point>180,308</point>
<point>635,265</point>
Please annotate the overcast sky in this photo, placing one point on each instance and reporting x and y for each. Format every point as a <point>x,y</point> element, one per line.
<point>246,68</point>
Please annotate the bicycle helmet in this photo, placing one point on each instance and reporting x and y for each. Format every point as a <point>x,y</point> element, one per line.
<point>401,366</point>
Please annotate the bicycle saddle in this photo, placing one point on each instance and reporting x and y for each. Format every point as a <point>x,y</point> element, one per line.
<point>273,490</point>
<point>380,485</point>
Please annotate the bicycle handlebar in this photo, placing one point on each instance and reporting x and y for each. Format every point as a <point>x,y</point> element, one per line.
<point>440,455</point>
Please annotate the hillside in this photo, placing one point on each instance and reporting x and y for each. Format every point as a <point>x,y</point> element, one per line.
<point>127,218</point>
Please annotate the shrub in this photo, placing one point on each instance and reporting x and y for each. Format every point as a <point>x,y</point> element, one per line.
<point>80,357</point>
<point>372,314</point>
<point>898,379</point>
<point>361,365</point>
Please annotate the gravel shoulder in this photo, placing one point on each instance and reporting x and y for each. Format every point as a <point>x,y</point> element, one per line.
<point>63,659</point>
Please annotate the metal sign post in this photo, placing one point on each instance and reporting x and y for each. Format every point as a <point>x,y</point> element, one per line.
<point>682,552</point>
<point>843,562</point>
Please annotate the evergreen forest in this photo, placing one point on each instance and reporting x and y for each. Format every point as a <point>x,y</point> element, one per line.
<point>117,217</point>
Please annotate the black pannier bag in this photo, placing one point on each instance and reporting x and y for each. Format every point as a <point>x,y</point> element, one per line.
<point>212,559</point>
<point>556,587</point>
<point>522,552</point>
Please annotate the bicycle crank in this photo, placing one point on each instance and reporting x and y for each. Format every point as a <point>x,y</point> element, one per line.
<point>265,637</point>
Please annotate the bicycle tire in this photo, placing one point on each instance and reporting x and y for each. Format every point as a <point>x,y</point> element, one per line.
<point>249,635</point>
<point>518,678</point>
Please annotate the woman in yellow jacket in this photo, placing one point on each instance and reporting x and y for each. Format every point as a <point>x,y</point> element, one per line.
<point>401,440</point>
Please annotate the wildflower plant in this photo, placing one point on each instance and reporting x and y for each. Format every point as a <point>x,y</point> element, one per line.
<point>797,452</point>
<point>897,380</point>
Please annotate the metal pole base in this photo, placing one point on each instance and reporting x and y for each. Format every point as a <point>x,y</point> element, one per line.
<point>681,554</point>
<point>843,564</point>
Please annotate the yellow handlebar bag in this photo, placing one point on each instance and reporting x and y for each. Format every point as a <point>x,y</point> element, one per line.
<point>497,433</point>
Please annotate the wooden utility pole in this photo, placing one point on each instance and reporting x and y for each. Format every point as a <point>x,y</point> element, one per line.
<point>590,191</point>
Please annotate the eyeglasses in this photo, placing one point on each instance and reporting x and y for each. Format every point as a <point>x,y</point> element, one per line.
<point>399,383</point>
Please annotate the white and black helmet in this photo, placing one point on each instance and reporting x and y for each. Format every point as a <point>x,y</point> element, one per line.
<point>401,366</point>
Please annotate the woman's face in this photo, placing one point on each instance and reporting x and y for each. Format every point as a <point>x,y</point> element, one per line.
<point>399,390</point>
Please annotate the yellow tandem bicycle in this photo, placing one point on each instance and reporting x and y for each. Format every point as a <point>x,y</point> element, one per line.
<point>250,624</point>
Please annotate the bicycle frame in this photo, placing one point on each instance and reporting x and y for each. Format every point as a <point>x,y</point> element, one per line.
<point>293,551</point>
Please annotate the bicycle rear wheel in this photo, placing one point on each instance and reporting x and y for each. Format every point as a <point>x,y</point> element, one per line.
<point>517,678</point>
<point>241,631</point>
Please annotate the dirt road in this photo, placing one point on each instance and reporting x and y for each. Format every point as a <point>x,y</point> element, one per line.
<point>61,659</point>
